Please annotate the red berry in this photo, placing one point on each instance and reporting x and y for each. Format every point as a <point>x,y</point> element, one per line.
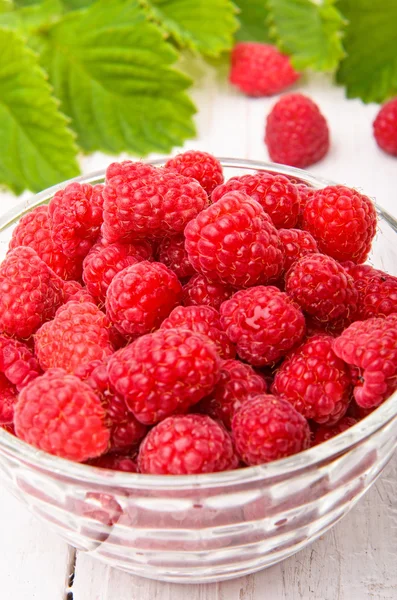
<point>342,221</point>
<point>73,291</point>
<point>278,197</point>
<point>115,462</point>
<point>296,132</point>
<point>204,320</point>
<point>377,291</point>
<point>61,415</point>
<point>78,334</point>
<point>164,372</point>
<point>34,230</point>
<point>8,398</point>
<point>385,127</point>
<point>315,381</point>
<point>372,347</point>
<point>238,383</point>
<point>203,167</point>
<point>261,69</point>
<point>200,291</point>
<point>172,254</point>
<point>17,362</point>
<point>268,428</point>
<point>234,241</point>
<point>324,433</point>
<point>263,322</point>
<point>322,288</point>
<point>75,215</point>
<point>129,171</point>
<point>140,297</point>
<point>296,243</point>
<point>30,293</point>
<point>186,445</point>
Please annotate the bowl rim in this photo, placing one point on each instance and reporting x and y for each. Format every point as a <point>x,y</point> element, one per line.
<point>309,458</point>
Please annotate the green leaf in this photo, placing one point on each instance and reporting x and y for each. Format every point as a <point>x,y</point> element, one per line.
<point>369,70</point>
<point>27,19</point>
<point>38,150</point>
<point>112,71</point>
<point>206,26</point>
<point>311,32</point>
<point>253,21</point>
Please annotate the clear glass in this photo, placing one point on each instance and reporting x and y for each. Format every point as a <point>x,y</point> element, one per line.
<point>207,527</point>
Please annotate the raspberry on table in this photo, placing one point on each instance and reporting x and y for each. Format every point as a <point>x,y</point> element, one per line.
<point>322,288</point>
<point>186,445</point>
<point>237,384</point>
<point>201,291</point>
<point>296,243</point>
<point>261,69</point>
<point>325,433</point>
<point>268,428</point>
<point>385,127</point>
<point>296,132</point>
<point>234,241</point>
<point>62,415</point>
<point>17,362</point>
<point>164,372</point>
<point>371,346</point>
<point>159,205</point>
<point>263,322</point>
<point>278,197</point>
<point>8,399</point>
<point>377,291</point>
<point>172,254</point>
<point>141,296</point>
<point>30,292</point>
<point>204,320</point>
<point>315,381</point>
<point>34,230</point>
<point>75,215</point>
<point>115,462</point>
<point>203,167</point>
<point>78,334</point>
<point>125,431</point>
<point>342,221</point>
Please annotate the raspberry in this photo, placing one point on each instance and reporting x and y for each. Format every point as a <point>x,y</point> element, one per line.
<point>372,347</point>
<point>203,167</point>
<point>164,372</point>
<point>34,230</point>
<point>30,293</point>
<point>342,221</point>
<point>140,297</point>
<point>17,362</point>
<point>201,291</point>
<point>234,241</point>
<point>296,132</point>
<point>129,171</point>
<point>260,69</point>
<point>186,445</point>
<point>78,334</point>
<point>263,322</point>
<point>278,197</point>
<point>74,291</point>
<point>162,204</point>
<point>305,194</point>
<point>238,382</point>
<point>296,243</point>
<point>8,398</point>
<point>269,428</point>
<point>323,433</point>
<point>204,320</point>
<point>9,427</point>
<point>377,291</point>
<point>173,255</point>
<point>125,431</point>
<point>115,462</point>
<point>322,287</point>
<point>385,127</point>
<point>75,215</point>
<point>315,381</point>
<point>61,415</point>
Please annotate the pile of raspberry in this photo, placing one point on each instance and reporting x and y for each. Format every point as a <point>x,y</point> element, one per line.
<point>171,322</point>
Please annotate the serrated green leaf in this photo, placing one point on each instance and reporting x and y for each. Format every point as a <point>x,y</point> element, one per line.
<point>206,26</point>
<point>38,150</point>
<point>369,70</point>
<point>253,17</point>
<point>27,19</point>
<point>112,71</point>
<point>311,32</point>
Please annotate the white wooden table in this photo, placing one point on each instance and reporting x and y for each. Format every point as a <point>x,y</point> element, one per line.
<point>357,559</point>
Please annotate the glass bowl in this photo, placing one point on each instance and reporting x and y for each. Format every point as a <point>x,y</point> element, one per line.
<point>203,528</point>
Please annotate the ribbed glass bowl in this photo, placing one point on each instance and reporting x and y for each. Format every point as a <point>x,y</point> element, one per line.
<point>206,527</point>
